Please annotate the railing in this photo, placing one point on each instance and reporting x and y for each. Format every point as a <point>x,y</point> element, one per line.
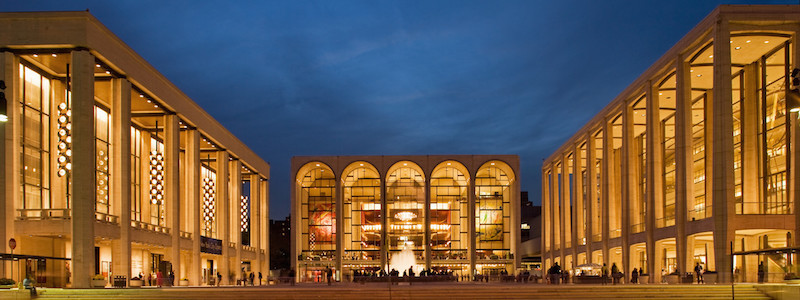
<point>44,214</point>
<point>665,222</point>
<point>636,228</point>
<point>699,212</point>
<point>249,248</point>
<point>568,244</point>
<point>232,244</point>
<point>762,208</point>
<point>186,235</point>
<point>615,233</point>
<point>104,217</point>
<point>597,237</point>
<point>150,227</point>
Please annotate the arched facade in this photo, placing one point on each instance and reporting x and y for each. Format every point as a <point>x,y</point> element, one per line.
<point>455,213</point>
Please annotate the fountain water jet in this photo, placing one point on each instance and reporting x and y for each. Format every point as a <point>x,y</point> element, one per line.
<point>404,260</point>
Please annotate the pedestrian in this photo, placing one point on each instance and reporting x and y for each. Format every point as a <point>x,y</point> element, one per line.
<point>291,276</point>
<point>604,274</point>
<point>635,276</point>
<point>252,278</point>
<point>219,278</point>
<point>663,276</point>
<point>329,274</point>
<point>614,275</point>
<point>159,278</point>
<point>259,278</point>
<point>761,272</point>
<point>698,271</point>
<point>28,284</point>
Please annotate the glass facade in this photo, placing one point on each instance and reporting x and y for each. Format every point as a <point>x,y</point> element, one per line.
<point>35,103</point>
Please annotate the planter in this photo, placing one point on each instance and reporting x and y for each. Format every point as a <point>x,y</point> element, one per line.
<point>673,279</point>
<point>710,278</point>
<point>98,283</point>
<point>644,278</point>
<point>183,283</point>
<point>136,283</point>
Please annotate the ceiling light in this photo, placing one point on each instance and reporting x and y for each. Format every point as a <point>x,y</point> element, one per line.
<point>54,55</point>
<point>766,42</point>
<point>747,41</point>
<point>698,75</point>
<point>737,48</point>
<point>108,72</point>
<point>711,56</point>
<point>97,65</point>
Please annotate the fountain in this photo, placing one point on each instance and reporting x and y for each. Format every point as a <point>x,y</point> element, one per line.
<point>404,260</point>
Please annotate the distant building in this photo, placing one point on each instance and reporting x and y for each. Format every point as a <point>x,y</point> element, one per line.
<point>279,238</point>
<point>457,212</point>
<point>696,158</point>
<point>530,231</point>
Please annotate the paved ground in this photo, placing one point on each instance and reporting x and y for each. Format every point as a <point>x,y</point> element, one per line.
<point>417,291</point>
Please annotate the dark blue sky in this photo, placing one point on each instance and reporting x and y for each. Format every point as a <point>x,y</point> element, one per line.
<point>402,77</point>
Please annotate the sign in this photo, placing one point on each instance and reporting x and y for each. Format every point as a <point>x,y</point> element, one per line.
<point>210,246</point>
<point>12,243</point>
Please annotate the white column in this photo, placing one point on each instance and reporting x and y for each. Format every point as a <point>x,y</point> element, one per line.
<point>255,220</point>
<point>265,228</point>
<point>683,160</point>
<point>722,153</point>
<point>172,189</point>
<point>83,168</point>
<point>121,174</point>
<point>236,213</point>
<point>193,178</point>
<point>223,220</point>
<point>10,135</point>
<point>628,185</point>
<point>654,196</point>
<point>591,194</point>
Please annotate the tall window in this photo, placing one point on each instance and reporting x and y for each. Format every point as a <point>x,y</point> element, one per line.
<point>35,114</point>
<point>318,211</point>
<point>597,198</point>
<point>698,208</point>
<point>493,188</point>
<point>362,199</point>
<point>448,211</point>
<point>738,98</point>
<point>157,209</point>
<point>209,190</point>
<point>101,127</point>
<point>774,131</point>
<point>405,208</point>
<point>136,174</point>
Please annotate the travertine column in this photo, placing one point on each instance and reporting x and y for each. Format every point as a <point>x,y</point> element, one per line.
<point>470,221</point>
<point>607,172</point>
<point>683,160</point>
<point>427,223</point>
<point>121,173</point>
<point>83,168</point>
<point>545,240</point>
<point>564,199</point>
<point>265,228</point>
<point>722,155</point>
<point>223,220</point>
<point>236,214</point>
<point>195,202</point>
<point>10,138</point>
<point>628,178</point>
<point>654,198</point>
<point>553,213</point>
<point>577,199</point>
<point>172,189</point>
<point>339,216</point>
<point>591,194</point>
<point>255,220</point>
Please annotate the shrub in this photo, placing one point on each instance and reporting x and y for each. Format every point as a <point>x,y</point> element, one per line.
<point>98,277</point>
<point>7,281</point>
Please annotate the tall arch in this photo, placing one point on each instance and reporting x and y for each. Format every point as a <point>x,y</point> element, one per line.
<point>449,230</point>
<point>405,208</point>
<point>493,198</point>
<point>316,186</point>
<point>362,238</point>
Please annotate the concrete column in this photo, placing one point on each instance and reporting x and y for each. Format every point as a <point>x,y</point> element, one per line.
<point>172,203</point>
<point>427,223</point>
<point>555,249</point>
<point>10,139</point>
<point>683,160</point>
<point>223,220</point>
<point>722,155</point>
<point>255,220</point>
<point>607,172</point>
<point>793,164</point>
<point>564,204</point>
<point>83,168</point>
<point>591,177</point>
<point>545,239</point>
<point>470,221</point>
<point>577,199</point>
<point>654,199</point>
<point>384,225</point>
<point>339,216</point>
<point>628,184</point>
<point>265,228</point>
<point>750,140</point>
<point>195,202</point>
<point>121,173</point>
<point>516,219</point>
<point>236,213</point>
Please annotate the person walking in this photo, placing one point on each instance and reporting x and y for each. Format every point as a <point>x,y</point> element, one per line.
<point>698,271</point>
<point>252,278</point>
<point>259,278</point>
<point>219,279</point>
<point>604,274</point>
<point>761,272</point>
<point>614,273</point>
<point>635,276</point>
<point>329,274</point>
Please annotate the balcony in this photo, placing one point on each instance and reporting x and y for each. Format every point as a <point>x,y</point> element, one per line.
<point>106,218</point>
<point>149,227</point>
<point>44,214</point>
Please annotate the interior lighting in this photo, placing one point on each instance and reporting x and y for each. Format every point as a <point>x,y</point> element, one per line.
<point>737,48</point>
<point>3,102</point>
<point>63,150</point>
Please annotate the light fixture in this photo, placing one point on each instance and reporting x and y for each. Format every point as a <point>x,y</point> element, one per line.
<point>3,102</point>
<point>793,93</point>
<point>64,150</point>
<point>245,214</point>
<point>209,203</point>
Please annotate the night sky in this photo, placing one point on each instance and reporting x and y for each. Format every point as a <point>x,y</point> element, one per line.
<point>397,78</point>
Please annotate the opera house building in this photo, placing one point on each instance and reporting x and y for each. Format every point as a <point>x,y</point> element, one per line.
<point>695,163</point>
<point>108,169</point>
<point>449,213</point>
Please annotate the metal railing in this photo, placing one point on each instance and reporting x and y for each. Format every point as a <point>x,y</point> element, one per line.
<point>636,228</point>
<point>615,233</point>
<point>248,248</point>
<point>150,227</point>
<point>44,214</point>
<point>186,235</point>
<point>104,217</point>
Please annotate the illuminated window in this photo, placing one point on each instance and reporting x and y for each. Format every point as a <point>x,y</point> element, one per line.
<point>102,126</point>
<point>362,209</point>
<point>35,113</point>
<point>157,209</point>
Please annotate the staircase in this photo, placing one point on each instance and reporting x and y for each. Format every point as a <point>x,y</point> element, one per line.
<point>418,291</point>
